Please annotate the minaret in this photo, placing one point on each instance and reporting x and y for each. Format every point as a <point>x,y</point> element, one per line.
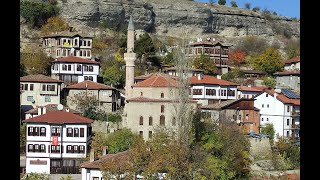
<point>129,58</point>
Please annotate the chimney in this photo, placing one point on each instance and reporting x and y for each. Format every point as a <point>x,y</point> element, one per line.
<point>276,92</point>
<point>199,76</point>
<point>91,155</point>
<point>39,111</point>
<point>44,110</point>
<point>104,150</point>
<point>218,76</point>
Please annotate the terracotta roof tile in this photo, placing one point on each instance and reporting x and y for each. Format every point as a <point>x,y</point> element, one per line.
<point>246,88</point>
<point>211,80</point>
<point>144,76</point>
<point>158,80</point>
<point>190,69</point>
<point>89,85</point>
<point>219,105</point>
<point>74,59</point>
<point>283,73</point>
<point>293,60</point>
<point>39,78</point>
<point>260,87</point>
<point>281,97</point>
<point>144,99</point>
<point>60,117</point>
<point>49,108</point>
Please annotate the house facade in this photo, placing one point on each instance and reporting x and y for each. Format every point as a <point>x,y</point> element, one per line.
<point>218,52</point>
<point>39,90</point>
<point>73,69</point>
<point>65,44</point>
<point>292,64</point>
<point>248,92</point>
<point>290,76</point>
<point>208,89</point>
<point>240,111</point>
<point>108,97</point>
<point>172,71</point>
<point>152,105</point>
<point>56,142</point>
<point>281,111</point>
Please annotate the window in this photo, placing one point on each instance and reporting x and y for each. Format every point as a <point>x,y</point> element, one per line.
<point>76,42</point>
<point>26,87</point>
<point>30,131</point>
<point>211,92</point>
<point>288,134</point>
<point>30,148</point>
<point>47,99</point>
<point>36,148</point>
<point>69,132</point>
<point>288,122</point>
<point>141,93</point>
<point>141,133</point>
<point>44,87</point>
<point>55,149</point>
<point>81,132</point>
<point>69,149</point>
<point>162,120</point>
<point>197,91</point>
<point>267,95</point>
<point>80,53</point>
<point>76,132</point>
<point>95,178</point>
<point>261,119</point>
<point>162,95</point>
<point>162,108</point>
<point>85,78</point>
<point>69,67</point>
<point>267,105</point>
<point>174,121</point>
<point>267,119</point>
<point>150,134</point>
<point>150,121</point>
<point>30,98</point>
<point>263,105</point>
<point>288,108</point>
<point>64,67</point>
<point>247,116</point>
<point>85,68</point>
<point>42,131</point>
<point>88,53</point>
<point>42,148</point>
<point>55,131</point>
<point>31,87</point>
<point>91,68</point>
<point>90,78</point>
<point>75,149</point>
<point>78,67</point>
<point>81,149</point>
<point>141,120</point>
<point>89,43</point>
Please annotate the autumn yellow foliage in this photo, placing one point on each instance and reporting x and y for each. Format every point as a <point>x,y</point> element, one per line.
<point>54,24</point>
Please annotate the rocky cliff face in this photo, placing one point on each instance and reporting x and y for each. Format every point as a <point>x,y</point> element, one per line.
<point>175,17</point>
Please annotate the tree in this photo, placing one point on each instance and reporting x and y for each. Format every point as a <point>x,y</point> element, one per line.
<point>36,176</point>
<point>120,140</point>
<point>247,5</point>
<point>246,45</point>
<point>99,139</point>
<point>168,59</point>
<point>23,129</point>
<point>292,48</point>
<point>114,76</point>
<point>205,63</point>
<point>255,9</point>
<point>237,56</point>
<point>222,2</point>
<point>23,70</point>
<point>269,130</point>
<point>270,61</point>
<point>85,103</point>
<point>68,177</point>
<point>35,61</point>
<point>144,46</point>
<point>54,24</point>
<point>233,4</point>
<point>211,2</point>
<point>269,81</point>
<point>37,13</point>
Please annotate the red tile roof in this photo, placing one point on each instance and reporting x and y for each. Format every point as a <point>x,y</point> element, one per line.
<point>246,88</point>
<point>260,87</point>
<point>293,60</point>
<point>158,80</point>
<point>144,99</point>
<point>281,97</point>
<point>108,157</point>
<point>60,117</point>
<point>39,78</point>
<point>74,59</point>
<point>211,80</point>
<point>283,73</point>
<point>89,85</point>
<point>49,108</point>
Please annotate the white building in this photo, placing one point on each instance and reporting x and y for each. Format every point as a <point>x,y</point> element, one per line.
<point>208,89</point>
<point>248,91</point>
<point>73,69</point>
<point>292,64</point>
<point>56,142</point>
<point>281,111</point>
<point>39,110</point>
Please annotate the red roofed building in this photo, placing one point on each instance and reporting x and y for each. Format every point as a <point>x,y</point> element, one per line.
<point>292,64</point>
<point>290,77</point>
<point>208,89</point>
<point>152,104</point>
<point>280,108</point>
<point>248,91</point>
<point>108,97</point>
<point>72,69</point>
<point>56,141</point>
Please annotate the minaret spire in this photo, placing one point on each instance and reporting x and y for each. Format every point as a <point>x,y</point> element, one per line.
<point>129,58</point>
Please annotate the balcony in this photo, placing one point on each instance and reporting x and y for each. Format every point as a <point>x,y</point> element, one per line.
<point>295,113</point>
<point>295,126</point>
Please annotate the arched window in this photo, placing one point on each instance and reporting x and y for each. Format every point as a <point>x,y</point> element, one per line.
<point>162,120</point>
<point>150,121</point>
<point>141,120</point>
<point>162,108</point>
<point>162,95</point>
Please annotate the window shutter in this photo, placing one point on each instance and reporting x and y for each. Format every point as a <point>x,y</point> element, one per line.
<point>49,149</point>
<point>81,132</point>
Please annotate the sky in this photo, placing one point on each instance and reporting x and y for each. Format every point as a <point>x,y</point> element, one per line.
<point>290,8</point>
